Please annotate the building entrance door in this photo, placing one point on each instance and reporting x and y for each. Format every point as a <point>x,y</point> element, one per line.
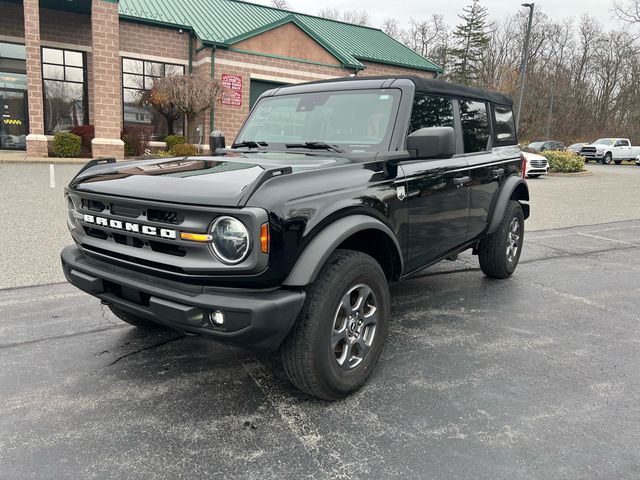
<point>13,119</point>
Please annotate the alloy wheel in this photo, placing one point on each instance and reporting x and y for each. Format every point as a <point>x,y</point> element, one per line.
<point>513,240</point>
<point>354,326</point>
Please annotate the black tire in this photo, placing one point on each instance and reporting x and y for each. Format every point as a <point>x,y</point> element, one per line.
<point>308,357</point>
<point>535,175</point>
<point>606,160</point>
<point>495,260</point>
<point>617,162</point>
<point>586,160</point>
<point>135,320</point>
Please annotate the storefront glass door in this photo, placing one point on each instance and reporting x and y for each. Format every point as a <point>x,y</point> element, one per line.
<point>13,119</point>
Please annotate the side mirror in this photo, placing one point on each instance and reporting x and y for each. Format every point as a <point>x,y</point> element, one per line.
<point>433,142</point>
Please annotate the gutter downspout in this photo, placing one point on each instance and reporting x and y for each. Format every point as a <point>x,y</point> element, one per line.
<point>190,52</point>
<point>213,76</point>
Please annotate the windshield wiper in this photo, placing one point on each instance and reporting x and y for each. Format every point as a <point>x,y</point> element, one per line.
<point>249,144</point>
<point>315,146</point>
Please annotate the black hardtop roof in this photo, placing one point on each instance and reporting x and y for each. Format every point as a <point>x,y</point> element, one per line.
<point>427,85</point>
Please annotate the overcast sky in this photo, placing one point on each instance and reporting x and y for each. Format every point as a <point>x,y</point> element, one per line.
<point>405,9</point>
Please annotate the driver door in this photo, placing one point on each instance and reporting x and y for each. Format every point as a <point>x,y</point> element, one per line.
<point>437,190</point>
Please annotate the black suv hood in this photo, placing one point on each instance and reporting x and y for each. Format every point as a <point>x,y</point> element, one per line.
<point>227,181</point>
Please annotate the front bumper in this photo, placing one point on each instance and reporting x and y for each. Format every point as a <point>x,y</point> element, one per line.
<point>254,319</point>
<point>592,155</point>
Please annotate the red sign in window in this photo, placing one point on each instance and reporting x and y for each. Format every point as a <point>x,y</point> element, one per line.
<point>232,90</point>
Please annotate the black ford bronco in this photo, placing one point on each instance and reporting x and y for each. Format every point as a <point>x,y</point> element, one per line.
<point>289,239</point>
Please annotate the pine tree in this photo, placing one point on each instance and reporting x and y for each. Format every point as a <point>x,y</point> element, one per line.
<point>470,40</point>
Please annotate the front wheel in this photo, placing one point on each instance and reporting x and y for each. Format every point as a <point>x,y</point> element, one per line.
<point>338,337</point>
<point>499,252</point>
<point>607,159</point>
<point>586,160</point>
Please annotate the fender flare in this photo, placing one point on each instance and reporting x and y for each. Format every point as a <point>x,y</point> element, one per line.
<point>506,193</point>
<point>319,249</point>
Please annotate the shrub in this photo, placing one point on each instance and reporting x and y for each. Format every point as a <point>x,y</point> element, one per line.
<point>184,150</point>
<point>565,162</point>
<point>66,145</point>
<point>173,140</point>
<point>86,133</point>
<point>136,140</point>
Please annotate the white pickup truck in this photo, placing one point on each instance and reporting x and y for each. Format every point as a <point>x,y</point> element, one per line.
<point>605,150</point>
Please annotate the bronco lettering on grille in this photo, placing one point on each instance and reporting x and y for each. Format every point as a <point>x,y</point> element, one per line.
<point>130,227</point>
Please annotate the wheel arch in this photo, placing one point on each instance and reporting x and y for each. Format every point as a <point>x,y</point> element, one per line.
<point>355,232</point>
<point>514,188</point>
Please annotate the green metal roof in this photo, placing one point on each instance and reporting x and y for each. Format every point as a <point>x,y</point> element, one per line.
<point>225,22</point>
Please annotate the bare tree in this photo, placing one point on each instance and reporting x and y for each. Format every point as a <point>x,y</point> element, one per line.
<point>391,27</point>
<point>628,11</point>
<point>282,4</point>
<point>357,17</point>
<point>583,80</point>
<point>189,95</point>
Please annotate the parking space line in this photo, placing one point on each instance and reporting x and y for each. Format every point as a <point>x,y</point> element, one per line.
<point>52,176</point>
<point>599,237</point>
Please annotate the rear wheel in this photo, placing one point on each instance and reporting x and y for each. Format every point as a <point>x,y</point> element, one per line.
<point>135,320</point>
<point>338,337</point>
<point>499,252</point>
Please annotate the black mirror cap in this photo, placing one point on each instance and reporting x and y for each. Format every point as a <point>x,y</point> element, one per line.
<point>432,142</point>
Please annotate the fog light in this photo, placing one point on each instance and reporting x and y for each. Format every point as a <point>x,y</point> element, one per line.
<point>216,318</point>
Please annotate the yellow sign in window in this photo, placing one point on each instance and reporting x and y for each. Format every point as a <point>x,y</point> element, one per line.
<point>12,121</point>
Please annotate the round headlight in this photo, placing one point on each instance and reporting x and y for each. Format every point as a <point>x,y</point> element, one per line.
<point>230,240</point>
<point>72,221</point>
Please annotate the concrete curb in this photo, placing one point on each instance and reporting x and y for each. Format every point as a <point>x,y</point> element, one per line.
<point>45,160</point>
<point>584,173</point>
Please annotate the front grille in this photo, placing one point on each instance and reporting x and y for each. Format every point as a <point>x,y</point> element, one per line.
<point>148,233</point>
<point>163,216</point>
<point>538,163</point>
<point>591,150</point>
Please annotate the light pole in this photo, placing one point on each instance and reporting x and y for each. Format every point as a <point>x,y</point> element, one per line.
<point>523,66</point>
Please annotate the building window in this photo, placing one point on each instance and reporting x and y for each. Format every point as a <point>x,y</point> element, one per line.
<point>65,97</point>
<point>137,78</point>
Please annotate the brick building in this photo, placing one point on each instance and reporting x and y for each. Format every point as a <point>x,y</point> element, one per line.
<point>65,63</point>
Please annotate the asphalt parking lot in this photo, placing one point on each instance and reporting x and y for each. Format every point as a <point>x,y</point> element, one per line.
<point>535,377</point>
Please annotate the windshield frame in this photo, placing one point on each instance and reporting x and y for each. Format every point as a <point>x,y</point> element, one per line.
<point>354,148</point>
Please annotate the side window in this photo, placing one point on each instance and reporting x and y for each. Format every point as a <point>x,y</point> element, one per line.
<point>429,111</point>
<point>622,143</point>
<point>475,126</point>
<point>505,125</point>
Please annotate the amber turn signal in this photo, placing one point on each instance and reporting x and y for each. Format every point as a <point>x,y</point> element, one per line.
<point>196,237</point>
<point>264,238</point>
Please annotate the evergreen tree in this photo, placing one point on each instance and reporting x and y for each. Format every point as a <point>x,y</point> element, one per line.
<point>470,40</point>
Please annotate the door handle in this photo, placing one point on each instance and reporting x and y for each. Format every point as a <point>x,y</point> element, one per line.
<point>461,180</point>
<point>498,172</point>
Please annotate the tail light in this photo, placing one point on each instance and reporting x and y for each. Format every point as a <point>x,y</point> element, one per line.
<point>524,166</point>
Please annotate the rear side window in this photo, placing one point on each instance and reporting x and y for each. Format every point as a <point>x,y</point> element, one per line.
<point>505,125</point>
<point>429,111</point>
<point>475,126</point>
